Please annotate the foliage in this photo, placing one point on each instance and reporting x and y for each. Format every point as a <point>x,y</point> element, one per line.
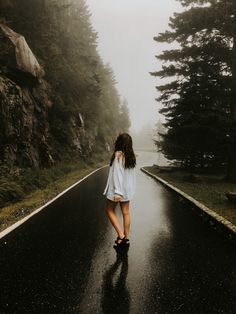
<point>9,191</point>
<point>61,36</point>
<point>18,183</point>
<point>199,104</point>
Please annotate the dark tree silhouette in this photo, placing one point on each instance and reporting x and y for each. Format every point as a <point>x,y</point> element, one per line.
<point>200,102</point>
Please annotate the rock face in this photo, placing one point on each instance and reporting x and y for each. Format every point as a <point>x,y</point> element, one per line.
<point>24,57</point>
<point>23,125</point>
<point>25,136</point>
<point>24,105</point>
<point>17,61</point>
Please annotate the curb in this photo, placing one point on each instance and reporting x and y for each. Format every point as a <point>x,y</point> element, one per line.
<point>217,220</point>
<point>23,220</point>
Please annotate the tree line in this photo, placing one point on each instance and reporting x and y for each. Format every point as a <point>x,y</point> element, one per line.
<point>82,86</point>
<point>199,99</point>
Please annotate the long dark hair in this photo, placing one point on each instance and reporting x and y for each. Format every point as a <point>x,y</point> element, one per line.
<point>124,143</point>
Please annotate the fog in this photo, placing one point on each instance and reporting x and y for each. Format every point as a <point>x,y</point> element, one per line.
<point>126,29</point>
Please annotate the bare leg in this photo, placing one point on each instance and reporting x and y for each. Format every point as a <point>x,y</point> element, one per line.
<point>113,218</point>
<point>126,217</point>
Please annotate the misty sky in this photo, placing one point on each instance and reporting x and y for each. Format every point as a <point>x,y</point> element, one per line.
<point>126,29</point>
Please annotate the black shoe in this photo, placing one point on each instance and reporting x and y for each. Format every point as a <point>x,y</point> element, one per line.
<point>123,242</point>
<point>119,239</point>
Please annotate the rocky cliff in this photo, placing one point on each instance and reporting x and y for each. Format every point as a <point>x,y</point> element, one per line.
<point>24,104</point>
<point>25,138</point>
<point>58,98</point>
<point>24,124</point>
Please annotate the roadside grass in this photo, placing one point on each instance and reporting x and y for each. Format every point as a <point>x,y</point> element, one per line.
<point>23,193</point>
<point>208,189</point>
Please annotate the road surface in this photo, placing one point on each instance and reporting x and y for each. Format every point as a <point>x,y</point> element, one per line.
<point>62,259</point>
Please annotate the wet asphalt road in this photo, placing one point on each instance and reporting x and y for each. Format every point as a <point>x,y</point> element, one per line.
<point>62,259</point>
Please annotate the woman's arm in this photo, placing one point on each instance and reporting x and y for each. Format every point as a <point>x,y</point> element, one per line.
<point>118,175</point>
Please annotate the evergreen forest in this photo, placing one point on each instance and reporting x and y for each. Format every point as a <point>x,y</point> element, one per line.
<point>60,110</point>
<point>75,106</point>
<point>199,90</point>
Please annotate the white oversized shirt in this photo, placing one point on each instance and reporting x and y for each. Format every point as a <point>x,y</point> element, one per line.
<point>120,180</point>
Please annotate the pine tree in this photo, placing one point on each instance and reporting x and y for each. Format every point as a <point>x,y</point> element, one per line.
<point>200,103</point>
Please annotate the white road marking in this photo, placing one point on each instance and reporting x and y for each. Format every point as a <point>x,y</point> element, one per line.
<point>20,222</point>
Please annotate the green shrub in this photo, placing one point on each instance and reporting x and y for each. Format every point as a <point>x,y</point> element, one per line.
<point>15,185</point>
<point>9,191</point>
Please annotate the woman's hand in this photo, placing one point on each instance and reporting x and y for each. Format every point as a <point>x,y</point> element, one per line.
<point>117,198</point>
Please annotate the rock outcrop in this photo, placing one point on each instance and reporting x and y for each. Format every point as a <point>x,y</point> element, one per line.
<point>24,105</point>
<point>24,57</point>
<point>17,61</point>
<point>24,125</point>
<point>25,136</point>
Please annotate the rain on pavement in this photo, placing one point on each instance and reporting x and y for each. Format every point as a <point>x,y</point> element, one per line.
<point>62,259</point>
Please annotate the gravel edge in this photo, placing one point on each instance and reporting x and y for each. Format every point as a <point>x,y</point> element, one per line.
<point>217,220</point>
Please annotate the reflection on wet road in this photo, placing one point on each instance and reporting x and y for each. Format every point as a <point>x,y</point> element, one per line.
<point>62,260</point>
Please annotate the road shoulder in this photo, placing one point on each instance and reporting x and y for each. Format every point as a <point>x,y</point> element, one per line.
<point>14,222</point>
<point>219,222</point>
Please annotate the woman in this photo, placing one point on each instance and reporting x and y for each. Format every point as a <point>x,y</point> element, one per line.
<point>121,186</point>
